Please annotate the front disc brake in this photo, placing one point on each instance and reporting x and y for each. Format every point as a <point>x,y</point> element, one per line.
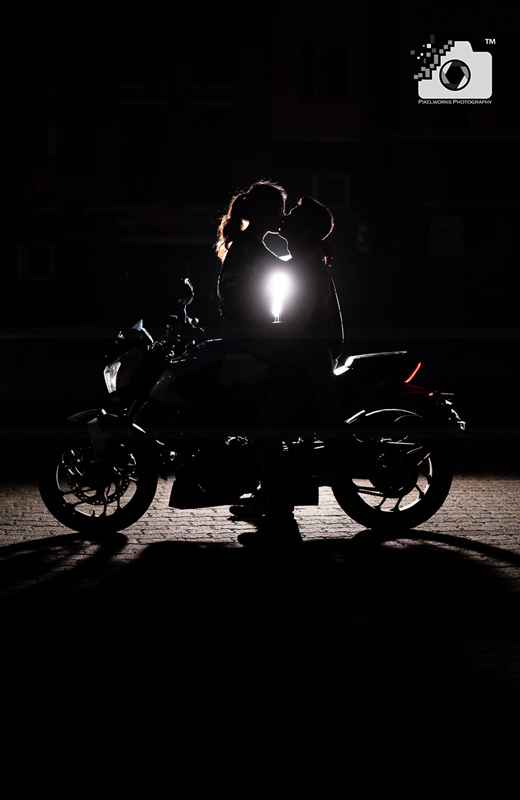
<point>92,482</point>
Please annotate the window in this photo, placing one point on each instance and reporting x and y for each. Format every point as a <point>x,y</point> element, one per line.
<point>143,128</point>
<point>445,118</point>
<point>506,80</point>
<point>325,72</point>
<point>36,262</point>
<point>140,46</point>
<point>212,65</point>
<point>446,237</point>
<point>331,190</point>
<point>450,16</point>
<point>211,153</point>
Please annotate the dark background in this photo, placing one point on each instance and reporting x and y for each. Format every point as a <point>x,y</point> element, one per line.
<point>127,132</point>
<point>355,664</point>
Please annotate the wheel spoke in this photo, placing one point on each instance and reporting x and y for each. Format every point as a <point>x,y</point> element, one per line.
<point>76,465</point>
<point>404,480</point>
<point>366,490</point>
<point>396,507</point>
<point>79,503</point>
<point>427,476</point>
<point>423,459</point>
<point>105,495</point>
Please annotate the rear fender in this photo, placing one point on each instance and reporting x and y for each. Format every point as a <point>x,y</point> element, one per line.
<point>368,422</point>
<point>410,388</point>
<point>431,411</point>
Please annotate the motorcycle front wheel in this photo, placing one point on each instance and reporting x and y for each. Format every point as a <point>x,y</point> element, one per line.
<point>98,497</point>
<point>406,477</point>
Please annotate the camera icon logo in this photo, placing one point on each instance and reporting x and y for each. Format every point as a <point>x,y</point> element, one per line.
<point>454,71</point>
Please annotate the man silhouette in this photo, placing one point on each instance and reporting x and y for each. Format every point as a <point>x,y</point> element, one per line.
<point>310,335</point>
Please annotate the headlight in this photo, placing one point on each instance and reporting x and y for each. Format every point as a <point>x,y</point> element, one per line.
<point>122,371</point>
<point>110,373</point>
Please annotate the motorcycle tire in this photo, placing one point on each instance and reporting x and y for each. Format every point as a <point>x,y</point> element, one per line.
<point>129,488</point>
<point>396,492</point>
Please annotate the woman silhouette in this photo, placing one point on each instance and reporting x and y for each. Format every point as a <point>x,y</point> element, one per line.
<point>252,214</point>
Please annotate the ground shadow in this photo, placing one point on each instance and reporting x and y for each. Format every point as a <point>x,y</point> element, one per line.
<point>358,659</point>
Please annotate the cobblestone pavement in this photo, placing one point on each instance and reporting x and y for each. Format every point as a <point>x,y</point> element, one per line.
<point>170,653</point>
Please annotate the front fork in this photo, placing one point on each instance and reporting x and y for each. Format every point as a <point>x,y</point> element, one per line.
<point>100,438</point>
<point>105,429</point>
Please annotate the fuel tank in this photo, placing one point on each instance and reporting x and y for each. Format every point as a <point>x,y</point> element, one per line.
<point>214,361</point>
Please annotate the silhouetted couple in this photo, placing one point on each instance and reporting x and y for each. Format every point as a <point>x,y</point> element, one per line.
<point>305,344</point>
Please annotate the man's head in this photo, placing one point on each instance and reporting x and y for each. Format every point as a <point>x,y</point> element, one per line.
<point>307,224</point>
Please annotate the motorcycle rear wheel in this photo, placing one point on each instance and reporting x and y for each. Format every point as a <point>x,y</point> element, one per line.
<point>408,477</point>
<point>96,498</point>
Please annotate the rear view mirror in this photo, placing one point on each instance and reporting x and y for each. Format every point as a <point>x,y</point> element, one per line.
<point>184,292</point>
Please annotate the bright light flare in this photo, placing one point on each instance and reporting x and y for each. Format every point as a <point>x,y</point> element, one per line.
<point>279,287</point>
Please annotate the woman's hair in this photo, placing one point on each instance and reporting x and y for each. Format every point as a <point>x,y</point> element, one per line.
<point>246,205</point>
<point>319,222</point>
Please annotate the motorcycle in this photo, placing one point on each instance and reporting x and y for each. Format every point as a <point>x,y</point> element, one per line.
<point>184,405</point>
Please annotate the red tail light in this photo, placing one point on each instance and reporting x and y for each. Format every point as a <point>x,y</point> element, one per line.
<point>416,370</point>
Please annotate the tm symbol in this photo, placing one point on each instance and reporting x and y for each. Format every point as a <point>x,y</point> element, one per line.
<point>491,41</point>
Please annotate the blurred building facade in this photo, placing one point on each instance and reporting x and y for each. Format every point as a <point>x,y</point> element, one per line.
<point>125,144</point>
